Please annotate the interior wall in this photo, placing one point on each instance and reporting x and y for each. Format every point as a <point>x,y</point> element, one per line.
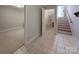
<point>49,18</point>
<point>50,12</point>
<point>55,21</point>
<point>33,22</point>
<point>10,16</point>
<point>75,25</point>
<point>11,28</point>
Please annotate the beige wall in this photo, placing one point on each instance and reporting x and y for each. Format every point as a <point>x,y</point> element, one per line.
<point>11,28</point>
<point>55,21</point>
<point>51,13</point>
<point>10,16</point>
<point>33,22</point>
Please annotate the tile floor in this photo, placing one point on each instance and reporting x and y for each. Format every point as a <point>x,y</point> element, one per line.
<point>11,40</point>
<point>21,50</point>
<point>50,44</point>
<point>41,45</point>
<point>66,44</point>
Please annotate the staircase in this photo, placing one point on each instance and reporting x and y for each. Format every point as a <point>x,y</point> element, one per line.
<point>63,26</point>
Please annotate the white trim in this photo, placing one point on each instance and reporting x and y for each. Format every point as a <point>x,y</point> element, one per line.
<point>12,28</point>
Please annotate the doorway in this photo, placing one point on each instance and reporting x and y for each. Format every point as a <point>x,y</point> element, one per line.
<point>48,19</point>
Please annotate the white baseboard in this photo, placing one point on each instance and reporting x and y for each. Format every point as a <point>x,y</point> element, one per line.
<point>30,40</point>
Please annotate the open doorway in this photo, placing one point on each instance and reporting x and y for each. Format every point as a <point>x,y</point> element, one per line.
<point>48,17</point>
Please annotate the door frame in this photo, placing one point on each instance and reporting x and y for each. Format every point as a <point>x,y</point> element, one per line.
<point>55,20</point>
<point>43,18</point>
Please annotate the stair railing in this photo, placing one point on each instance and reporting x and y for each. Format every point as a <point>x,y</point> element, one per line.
<point>69,17</point>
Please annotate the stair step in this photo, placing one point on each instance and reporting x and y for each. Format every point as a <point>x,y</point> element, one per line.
<point>62,20</point>
<point>64,26</point>
<point>62,23</point>
<point>67,30</point>
<point>64,29</point>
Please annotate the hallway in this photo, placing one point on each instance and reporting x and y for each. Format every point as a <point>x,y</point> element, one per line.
<point>43,44</point>
<point>62,42</point>
<point>49,43</point>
